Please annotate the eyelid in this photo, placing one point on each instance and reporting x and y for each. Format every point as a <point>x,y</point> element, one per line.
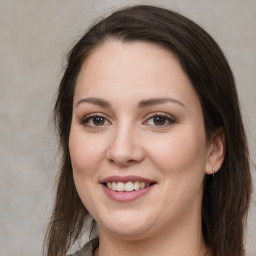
<point>93,115</point>
<point>168,117</point>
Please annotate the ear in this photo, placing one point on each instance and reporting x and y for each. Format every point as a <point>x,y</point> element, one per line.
<point>216,152</point>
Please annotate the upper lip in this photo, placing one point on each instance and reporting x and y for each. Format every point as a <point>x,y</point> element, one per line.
<point>126,179</point>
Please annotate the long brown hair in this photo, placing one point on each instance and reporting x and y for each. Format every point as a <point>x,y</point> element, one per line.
<point>226,196</point>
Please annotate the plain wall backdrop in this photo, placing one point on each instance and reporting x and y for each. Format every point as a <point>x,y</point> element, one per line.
<point>34,37</point>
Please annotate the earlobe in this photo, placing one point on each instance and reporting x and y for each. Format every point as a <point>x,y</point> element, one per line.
<point>216,152</point>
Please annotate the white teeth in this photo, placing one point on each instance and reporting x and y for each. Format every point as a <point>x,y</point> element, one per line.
<point>109,185</point>
<point>120,186</point>
<point>136,185</point>
<point>113,186</point>
<point>128,186</point>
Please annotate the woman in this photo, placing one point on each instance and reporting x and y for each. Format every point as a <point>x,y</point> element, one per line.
<point>152,140</point>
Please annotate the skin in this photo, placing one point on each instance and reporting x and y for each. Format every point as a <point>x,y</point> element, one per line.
<point>127,141</point>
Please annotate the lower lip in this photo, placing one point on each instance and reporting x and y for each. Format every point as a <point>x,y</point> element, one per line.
<point>126,196</point>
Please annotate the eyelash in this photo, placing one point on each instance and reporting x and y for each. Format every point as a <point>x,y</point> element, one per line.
<point>92,117</point>
<point>167,118</point>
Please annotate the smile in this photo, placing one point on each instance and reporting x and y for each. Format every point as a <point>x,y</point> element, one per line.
<point>128,187</point>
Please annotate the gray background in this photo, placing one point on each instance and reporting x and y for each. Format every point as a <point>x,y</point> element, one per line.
<point>35,35</point>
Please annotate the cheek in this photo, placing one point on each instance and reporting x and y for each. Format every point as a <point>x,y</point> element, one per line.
<point>180,160</point>
<point>184,151</point>
<point>85,152</point>
<point>85,156</point>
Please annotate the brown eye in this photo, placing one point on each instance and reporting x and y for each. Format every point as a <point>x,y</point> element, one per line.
<point>159,120</point>
<point>97,121</point>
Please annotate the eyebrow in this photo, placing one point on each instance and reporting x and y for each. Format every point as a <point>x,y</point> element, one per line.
<point>156,101</point>
<point>141,104</point>
<point>94,101</point>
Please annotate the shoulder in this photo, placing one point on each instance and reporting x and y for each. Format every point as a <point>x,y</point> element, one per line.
<point>88,249</point>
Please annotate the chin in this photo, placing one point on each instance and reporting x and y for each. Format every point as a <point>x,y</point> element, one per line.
<point>128,225</point>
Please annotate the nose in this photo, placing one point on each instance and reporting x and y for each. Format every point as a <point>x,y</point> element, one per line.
<point>125,148</point>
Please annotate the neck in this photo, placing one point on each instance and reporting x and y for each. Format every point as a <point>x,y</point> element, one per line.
<point>151,247</point>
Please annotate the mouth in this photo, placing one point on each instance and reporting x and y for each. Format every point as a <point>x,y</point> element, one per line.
<point>127,183</point>
<point>128,186</point>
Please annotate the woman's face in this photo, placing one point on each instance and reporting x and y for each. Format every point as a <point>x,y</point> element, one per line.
<point>137,141</point>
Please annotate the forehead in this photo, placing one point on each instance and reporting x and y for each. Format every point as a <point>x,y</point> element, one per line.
<point>138,68</point>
